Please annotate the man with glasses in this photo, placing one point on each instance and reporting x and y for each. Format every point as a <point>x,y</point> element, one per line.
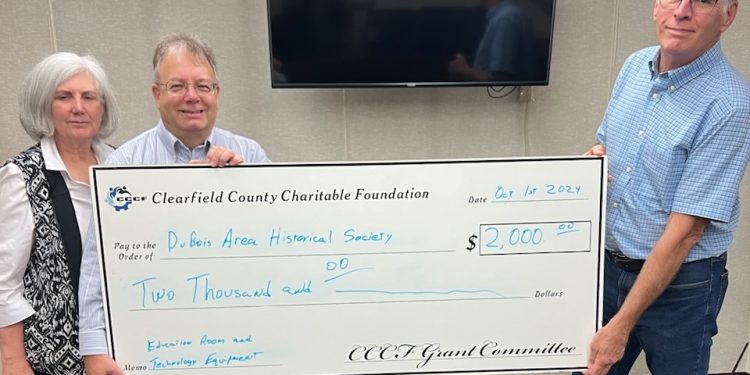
<point>186,92</point>
<point>677,135</point>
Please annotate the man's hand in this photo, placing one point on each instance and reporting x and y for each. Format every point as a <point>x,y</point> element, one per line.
<point>101,364</point>
<point>459,64</point>
<point>599,150</point>
<point>596,150</point>
<point>607,348</point>
<point>459,68</point>
<point>220,157</point>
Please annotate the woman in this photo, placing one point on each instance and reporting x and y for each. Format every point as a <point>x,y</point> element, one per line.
<point>67,106</point>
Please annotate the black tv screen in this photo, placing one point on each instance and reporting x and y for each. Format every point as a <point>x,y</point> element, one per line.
<point>363,43</point>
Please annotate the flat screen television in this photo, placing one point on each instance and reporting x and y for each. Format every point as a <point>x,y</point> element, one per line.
<point>367,43</point>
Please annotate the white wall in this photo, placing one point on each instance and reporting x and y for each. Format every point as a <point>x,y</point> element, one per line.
<point>592,38</point>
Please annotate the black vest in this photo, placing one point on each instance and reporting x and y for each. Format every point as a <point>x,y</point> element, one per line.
<point>51,278</point>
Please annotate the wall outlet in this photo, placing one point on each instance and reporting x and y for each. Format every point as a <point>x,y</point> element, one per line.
<point>525,94</point>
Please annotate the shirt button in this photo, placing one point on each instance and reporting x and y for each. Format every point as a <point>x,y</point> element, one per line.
<point>628,169</point>
<point>615,205</point>
<point>641,133</point>
<point>655,96</point>
<point>671,88</point>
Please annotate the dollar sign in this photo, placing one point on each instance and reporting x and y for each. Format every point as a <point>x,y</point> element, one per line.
<point>472,244</point>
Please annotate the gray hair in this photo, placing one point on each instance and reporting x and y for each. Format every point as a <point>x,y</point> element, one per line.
<point>39,86</point>
<point>193,43</point>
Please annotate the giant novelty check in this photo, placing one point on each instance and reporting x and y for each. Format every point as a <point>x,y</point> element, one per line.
<point>428,267</point>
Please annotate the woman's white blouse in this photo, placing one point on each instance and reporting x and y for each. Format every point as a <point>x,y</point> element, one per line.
<point>17,226</point>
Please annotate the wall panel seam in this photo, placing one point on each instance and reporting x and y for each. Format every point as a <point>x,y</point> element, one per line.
<point>613,52</point>
<point>52,30</point>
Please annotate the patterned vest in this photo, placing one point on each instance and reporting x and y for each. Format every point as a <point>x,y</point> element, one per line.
<point>51,334</point>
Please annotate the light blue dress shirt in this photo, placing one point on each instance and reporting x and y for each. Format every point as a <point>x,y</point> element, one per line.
<point>677,141</point>
<point>154,146</point>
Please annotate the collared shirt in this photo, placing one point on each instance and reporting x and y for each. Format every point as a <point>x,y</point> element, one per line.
<point>677,141</point>
<point>158,146</point>
<point>17,226</point>
<point>154,146</point>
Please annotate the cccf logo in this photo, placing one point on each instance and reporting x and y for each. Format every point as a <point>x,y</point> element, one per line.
<point>120,198</point>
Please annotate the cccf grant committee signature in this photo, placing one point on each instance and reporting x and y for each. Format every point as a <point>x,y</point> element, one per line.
<point>424,353</point>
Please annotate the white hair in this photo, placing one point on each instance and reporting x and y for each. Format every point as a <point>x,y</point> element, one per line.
<point>39,86</point>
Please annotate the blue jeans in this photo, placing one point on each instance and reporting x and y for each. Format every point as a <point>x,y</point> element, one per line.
<point>676,331</point>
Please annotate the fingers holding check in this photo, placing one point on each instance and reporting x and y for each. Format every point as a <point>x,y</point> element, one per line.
<point>596,150</point>
<point>599,150</point>
<point>101,365</point>
<point>220,156</point>
<point>607,348</point>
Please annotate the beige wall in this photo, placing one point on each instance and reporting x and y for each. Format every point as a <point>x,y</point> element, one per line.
<point>592,38</point>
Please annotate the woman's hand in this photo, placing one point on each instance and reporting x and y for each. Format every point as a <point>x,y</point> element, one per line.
<point>101,364</point>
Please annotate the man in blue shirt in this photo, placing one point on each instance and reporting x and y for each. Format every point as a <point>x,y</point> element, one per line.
<point>677,136</point>
<point>504,52</point>
<point>186,92</point>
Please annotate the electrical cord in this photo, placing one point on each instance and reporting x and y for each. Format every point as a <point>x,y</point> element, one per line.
<point>500,92</point>
<point>740,358</point>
